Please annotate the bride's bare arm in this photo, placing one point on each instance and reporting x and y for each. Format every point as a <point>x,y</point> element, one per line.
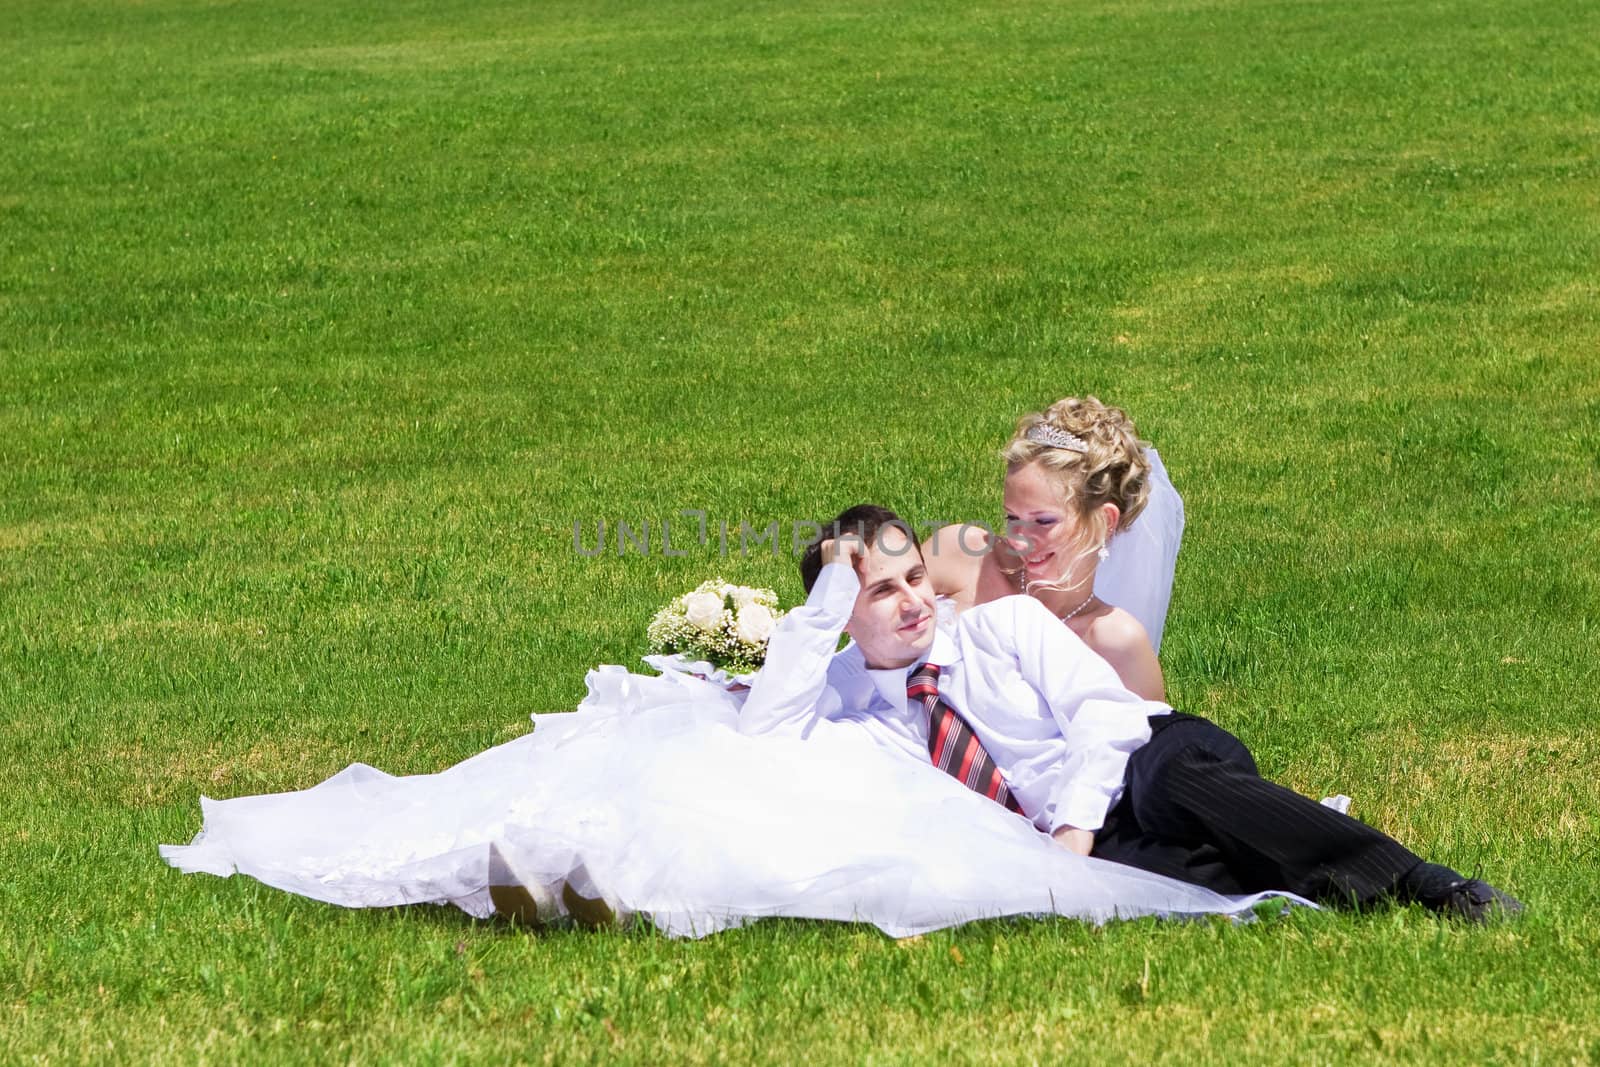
<point>954,555</point>
<point>1122,642</point>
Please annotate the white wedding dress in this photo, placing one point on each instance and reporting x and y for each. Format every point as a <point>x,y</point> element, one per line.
<point>649,797</point>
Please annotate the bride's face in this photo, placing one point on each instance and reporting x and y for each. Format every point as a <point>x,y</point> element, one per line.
<point>893,620</point>
<point>1039,529</point>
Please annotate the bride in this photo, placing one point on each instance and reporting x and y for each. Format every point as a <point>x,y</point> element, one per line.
<point>1092,532</point>
<point>647,799</point>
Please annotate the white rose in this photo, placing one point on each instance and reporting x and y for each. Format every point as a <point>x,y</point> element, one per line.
<point>743,596</point>
<point>755,624</point>
<point>703,610</point>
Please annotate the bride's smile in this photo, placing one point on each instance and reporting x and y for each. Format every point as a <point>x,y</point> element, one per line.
<point>1038,566</point>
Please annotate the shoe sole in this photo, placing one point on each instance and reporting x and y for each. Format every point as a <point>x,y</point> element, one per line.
<point>528,904</point>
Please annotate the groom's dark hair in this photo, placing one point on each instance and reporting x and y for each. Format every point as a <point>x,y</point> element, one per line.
<point>865,521</point>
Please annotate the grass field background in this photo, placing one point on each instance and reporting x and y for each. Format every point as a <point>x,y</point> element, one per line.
<point>322,323</point>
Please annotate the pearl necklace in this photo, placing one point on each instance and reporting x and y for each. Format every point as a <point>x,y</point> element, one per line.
<point>1080,607</point>
<point>1022,587</point>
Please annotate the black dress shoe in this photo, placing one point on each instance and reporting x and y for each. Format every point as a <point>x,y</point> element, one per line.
<point>1475,901</point>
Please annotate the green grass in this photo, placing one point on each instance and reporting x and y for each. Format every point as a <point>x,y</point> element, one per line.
<point>321,323</point>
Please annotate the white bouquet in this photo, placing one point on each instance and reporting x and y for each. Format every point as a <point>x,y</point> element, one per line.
<point>725,625</point>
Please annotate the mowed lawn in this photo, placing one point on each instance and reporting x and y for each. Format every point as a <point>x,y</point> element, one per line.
<point>323,323</point>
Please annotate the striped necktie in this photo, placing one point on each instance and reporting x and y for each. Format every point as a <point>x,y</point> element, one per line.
<point>954,748</point>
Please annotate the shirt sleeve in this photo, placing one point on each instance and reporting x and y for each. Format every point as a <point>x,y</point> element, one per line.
<point>790,693</point>
<point>1102,722</point>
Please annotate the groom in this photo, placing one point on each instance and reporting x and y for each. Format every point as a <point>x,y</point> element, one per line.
<point>1012,703</point>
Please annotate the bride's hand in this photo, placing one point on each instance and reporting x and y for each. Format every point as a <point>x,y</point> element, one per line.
<point>1074,840</point>
<point>846,549</point>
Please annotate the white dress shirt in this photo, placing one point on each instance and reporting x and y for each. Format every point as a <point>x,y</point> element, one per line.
<point>1052,714</point>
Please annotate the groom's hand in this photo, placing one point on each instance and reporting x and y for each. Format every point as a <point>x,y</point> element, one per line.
<point>847,549</point>
<point>1073,839</point>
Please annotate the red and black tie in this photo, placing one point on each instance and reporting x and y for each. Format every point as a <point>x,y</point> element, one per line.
<point>955,749</point>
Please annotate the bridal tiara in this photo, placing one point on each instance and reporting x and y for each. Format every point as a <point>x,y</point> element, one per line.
<point>1042,433</point>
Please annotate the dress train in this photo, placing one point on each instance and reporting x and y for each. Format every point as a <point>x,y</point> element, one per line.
<point>649,798</point>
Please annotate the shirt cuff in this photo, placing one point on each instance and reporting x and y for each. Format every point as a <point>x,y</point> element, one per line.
<point>836,589</point>
<point>1083,807</point>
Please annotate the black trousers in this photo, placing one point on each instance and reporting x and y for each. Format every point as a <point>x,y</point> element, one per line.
<point>1195,808</point>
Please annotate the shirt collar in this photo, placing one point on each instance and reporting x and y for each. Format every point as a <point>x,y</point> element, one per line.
<point>890,682</point>
<point>944,650</point>
<point>849,675</point>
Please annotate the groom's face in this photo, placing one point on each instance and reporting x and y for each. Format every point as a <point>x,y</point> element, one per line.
<point>893,620</point>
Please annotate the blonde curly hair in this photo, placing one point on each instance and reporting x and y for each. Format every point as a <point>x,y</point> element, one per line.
<point>1114,470</point>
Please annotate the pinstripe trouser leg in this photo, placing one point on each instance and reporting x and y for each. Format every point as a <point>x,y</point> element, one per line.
<point>1196,808</point>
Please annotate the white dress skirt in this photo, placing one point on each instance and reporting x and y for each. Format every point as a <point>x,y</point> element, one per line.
<point>649,797</point>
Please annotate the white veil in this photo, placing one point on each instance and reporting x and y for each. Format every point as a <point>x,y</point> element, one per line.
<point>1138,575</point>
